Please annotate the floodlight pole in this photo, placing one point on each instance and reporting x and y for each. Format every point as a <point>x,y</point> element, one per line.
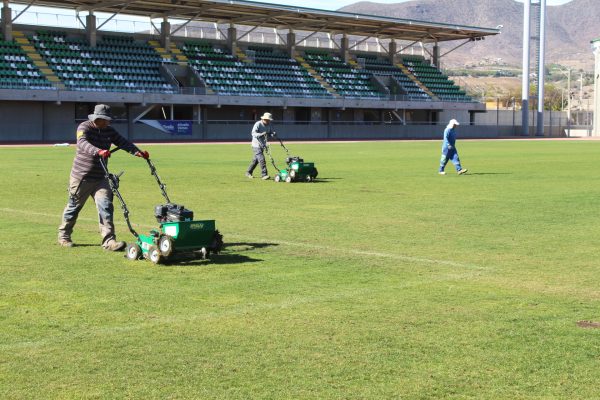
<point>525,87</point>
<point>541,70</point>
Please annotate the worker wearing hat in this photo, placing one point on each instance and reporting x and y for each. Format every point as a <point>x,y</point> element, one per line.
<point>94,138</point>
<point>449,151</point>
<point>259,133</point>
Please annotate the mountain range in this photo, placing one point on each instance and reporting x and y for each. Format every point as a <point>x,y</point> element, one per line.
<point>570,27</point>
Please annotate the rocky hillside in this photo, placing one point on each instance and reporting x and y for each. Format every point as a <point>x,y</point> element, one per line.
<point>570,27</point>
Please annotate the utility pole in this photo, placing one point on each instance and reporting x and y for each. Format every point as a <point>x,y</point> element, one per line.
<point>568,73</point>
<point>596,48</point>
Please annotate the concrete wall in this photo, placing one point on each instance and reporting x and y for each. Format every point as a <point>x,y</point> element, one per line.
<point>51,122</point>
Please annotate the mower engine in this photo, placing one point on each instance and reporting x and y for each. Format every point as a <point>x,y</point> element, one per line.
<point>172,213</point>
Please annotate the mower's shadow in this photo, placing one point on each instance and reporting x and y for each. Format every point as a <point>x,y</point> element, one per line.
<point>247,246</point>
<point>325,180</point>
<point>229,256</point>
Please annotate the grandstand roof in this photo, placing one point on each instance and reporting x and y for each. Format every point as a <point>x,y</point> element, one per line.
<point>241,12</point>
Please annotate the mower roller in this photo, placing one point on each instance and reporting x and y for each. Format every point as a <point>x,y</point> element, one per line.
<point>178,236</point>
<point>297,169</point>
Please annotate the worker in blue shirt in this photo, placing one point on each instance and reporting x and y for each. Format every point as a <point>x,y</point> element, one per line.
<point>449,151</point>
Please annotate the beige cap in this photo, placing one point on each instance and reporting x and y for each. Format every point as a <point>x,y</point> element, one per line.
<point>267,116</point>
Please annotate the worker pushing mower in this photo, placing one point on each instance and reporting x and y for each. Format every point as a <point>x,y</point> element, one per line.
<point>179,236</point>
<point>296,171</point>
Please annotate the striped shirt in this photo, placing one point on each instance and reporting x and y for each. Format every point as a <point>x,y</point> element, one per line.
<point>90,140</point>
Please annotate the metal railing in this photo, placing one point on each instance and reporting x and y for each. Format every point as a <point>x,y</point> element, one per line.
<point>200,91</point>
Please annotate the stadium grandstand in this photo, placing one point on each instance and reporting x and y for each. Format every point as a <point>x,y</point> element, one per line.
<point>168,86</point>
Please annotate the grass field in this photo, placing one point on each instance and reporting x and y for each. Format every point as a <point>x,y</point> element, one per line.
<point>383,280</point>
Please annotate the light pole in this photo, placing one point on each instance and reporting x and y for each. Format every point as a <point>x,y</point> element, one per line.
<point>526,65</point>
<point>541,70</point>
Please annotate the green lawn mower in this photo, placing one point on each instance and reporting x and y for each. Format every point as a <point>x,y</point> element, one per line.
<point>179,236</point>
<point>297,169</point>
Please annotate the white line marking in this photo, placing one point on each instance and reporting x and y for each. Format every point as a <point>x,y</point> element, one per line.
<point>358,252</point>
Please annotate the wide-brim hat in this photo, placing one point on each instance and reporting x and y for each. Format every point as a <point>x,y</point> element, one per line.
<point>453,122</point>
<point>101,111</point>
<point>267,116</point>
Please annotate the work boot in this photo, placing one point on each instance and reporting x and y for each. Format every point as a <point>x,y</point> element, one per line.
<point>266,178</point>
<point>462,171</point>
<point>65,243</point>
<point>248,175</point>
<point>113,245</point>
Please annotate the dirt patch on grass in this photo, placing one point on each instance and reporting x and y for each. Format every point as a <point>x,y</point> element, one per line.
<point>588,324</point>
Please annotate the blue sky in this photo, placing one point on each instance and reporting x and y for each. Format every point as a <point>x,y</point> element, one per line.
<point>337,4</point>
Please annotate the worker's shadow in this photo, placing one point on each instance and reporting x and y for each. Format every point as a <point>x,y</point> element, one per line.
<point>487,173</point>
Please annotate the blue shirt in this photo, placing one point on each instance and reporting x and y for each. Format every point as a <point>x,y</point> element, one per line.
<point>449,137</point>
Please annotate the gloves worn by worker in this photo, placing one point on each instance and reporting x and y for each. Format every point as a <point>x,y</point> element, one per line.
<point>273,134</point>
<point>144,154</point>
<point>104,153</point>
<point>450,147</point>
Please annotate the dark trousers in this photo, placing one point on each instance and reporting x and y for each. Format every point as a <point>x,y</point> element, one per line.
<point>259,158</point>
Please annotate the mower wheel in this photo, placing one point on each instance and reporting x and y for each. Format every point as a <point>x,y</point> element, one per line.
<point>288,179</point>
<point>154,255</point>
<point>308,178</point>
<point>293,174</point>
<point>165,245</point>
<point>277,178</point>
<point>133,251</point>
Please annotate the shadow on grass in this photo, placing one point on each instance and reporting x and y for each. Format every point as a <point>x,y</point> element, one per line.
<point>219,259</point>
<point>248,246</point>
<point>487,173</point>
<point>230,256</point>
<point>325,180</point>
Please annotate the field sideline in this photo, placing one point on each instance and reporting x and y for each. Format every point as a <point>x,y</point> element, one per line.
<point>382,280</point>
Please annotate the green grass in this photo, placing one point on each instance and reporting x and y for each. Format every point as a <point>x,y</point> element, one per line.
<point>384,280</point>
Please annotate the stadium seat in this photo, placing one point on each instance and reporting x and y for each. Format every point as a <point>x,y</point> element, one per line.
<point>344,79</point>
<point>18,71</point>
<point>268,72</point>
<point>117,63</point>
<point>439,84</point>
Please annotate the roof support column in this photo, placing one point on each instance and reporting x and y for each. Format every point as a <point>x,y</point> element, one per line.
<point>165,34</point>
<point>436,55</point>
<point>596,47</point>
<point>7,22</point>
<point>232,38</point>
<point>291,44</point>
<point>91,32</point>
<point>344,48</point>
<point>393,52</point>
